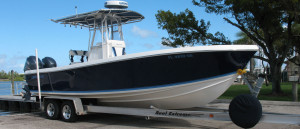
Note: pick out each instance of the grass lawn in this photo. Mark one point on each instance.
(265, 92)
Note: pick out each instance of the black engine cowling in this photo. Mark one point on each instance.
(30, 63)
(49, 62)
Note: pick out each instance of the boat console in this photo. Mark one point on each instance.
(106, 24)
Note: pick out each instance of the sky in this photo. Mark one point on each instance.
(26, 26)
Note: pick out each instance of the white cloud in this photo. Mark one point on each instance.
(164, 47)
(3, 62)
(143, 33)
(2, 59)
(15, 63)
(16, 59)
(154, 46)
(17, 67)
(148, 45)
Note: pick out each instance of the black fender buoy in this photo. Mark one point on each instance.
(3, 105)
(25, 107)
(13, 106)
(245, 111)
(35, 107)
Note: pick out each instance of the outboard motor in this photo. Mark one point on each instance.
(30, 63)
(49, 62)
(26, 95)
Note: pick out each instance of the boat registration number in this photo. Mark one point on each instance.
(181, 56)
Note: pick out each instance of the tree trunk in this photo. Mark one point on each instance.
(252, 64)
(276, 78)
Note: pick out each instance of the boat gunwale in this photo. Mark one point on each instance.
(213, 48)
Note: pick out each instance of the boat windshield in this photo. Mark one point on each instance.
(116, 33)
(110, 29)
(114, 29)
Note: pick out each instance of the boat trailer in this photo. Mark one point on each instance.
(76, 107)
(244, 110)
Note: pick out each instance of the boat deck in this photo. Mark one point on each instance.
(16, 98)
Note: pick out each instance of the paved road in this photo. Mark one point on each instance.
(108, 121)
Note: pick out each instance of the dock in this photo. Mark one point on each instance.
(17, 104)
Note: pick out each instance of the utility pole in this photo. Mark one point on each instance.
(12, 82)
(295, 84)
(295, 91)
(295, 80)
(252, 65)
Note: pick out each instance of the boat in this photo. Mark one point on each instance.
(168, 79)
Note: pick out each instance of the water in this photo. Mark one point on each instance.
(5, 87)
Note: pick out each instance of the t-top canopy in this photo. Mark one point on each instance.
(88, 19)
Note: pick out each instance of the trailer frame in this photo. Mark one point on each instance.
(200, 113)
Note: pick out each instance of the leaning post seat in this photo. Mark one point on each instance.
(81, 53)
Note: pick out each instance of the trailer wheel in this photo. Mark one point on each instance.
(68, 111)
(245, 111)
(52, 109)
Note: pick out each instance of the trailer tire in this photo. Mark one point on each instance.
(52, 110)
(245, 111)
(68, 113)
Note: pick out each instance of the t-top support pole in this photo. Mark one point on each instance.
(38, 76)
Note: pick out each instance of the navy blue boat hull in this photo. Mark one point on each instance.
(141, 73)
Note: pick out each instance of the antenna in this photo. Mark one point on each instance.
(118, 4)
(76, 11)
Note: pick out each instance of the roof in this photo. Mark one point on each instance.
(87, 19)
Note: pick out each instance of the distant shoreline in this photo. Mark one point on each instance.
(7, 80)
(4, 80)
